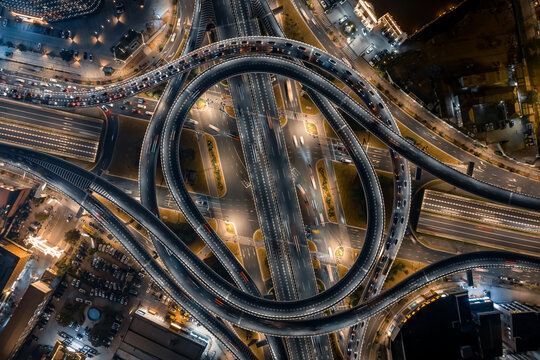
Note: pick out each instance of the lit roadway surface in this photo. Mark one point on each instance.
(70, 183)
(272, 66)
(60, 133)
(270, 178)
(277, 46)
(480, 234)
(481, 211)
(70, 124)
(222, 302)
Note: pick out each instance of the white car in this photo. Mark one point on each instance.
(370, 49)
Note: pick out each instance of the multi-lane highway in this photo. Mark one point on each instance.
(479, 234)
(57, 132)
(480, 211)
(71, 180)
(299, 50)
(189, 281)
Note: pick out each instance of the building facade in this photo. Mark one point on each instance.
(520, 326)
(23, 319)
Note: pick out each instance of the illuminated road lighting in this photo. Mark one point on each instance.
(41, 245)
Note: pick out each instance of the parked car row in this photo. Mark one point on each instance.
(117, 254)
(81, 254)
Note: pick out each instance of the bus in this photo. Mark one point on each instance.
(90, 231)
(288, 87)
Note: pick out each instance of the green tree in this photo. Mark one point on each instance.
(41, 216)
(532, 97)
(72, 236)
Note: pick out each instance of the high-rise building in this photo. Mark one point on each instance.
(520, 326)
(390, 29)
(12, 262)
(11, 200)
(23, 319)
(50, 10)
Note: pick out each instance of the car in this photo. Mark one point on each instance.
(88, 302)
(85, 55)
(79, 300)
(70, 216)
(4, 22)
(343, 19)
(202, 203)
(90, 57)
(370, 49)
(79, 336)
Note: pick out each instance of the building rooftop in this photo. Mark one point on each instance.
(147, 340)
(8, 262)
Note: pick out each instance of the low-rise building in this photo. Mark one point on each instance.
(148, 340)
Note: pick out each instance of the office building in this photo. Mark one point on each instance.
(23, 319)
(11, 199)
(520, 326)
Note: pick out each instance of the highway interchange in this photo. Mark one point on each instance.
(190, 282)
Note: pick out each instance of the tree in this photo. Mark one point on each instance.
(532, 97)
(72, 236)
(66, 55)
(41, 216)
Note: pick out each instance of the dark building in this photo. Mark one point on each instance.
(520, 326)
(50, 10)
(487, 327)
(11, 200)
(147, 340)
(451, 328)
(12, 262)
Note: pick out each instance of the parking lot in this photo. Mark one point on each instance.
(86, 41)
(105, 279)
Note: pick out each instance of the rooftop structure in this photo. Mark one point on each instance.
(147, 340)
(50, 10)
(520, 326)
